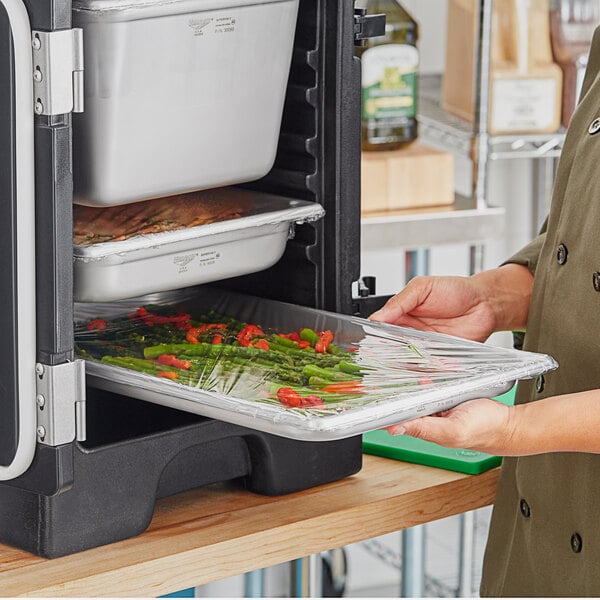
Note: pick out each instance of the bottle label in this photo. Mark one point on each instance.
(389, 81)
(524, 105)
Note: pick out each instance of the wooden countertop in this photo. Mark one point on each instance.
(219, 531)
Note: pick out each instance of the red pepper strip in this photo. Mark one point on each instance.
(208, 326)
(352, 349)
(181, 321)
(168, 374)
(312, 401)
(344, 387)
(96, 325)
(325, 338)
(172, 361)
(218, 339)
(192, 334)
(138, 314)
(295, 337)
(303, 344)
(289, 397)
(163, 320)
(262, 344)
(245, 336)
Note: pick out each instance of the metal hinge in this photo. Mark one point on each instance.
(367, 26)
(57, 71)
(61, 403)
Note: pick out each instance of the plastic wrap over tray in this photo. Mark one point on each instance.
(157, 262)
(284, 369)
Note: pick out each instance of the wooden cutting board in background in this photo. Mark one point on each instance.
(413, 177)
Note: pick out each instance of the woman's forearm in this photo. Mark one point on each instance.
(566, 423)
(508, 291)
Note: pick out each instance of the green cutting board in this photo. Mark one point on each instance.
(409, 449)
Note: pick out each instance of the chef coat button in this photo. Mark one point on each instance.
(525, 510)
(561, 254)
(576, 543)
(539, 384)
(596, 281)
(594, 127)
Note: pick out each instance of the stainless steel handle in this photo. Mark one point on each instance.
(25, 239)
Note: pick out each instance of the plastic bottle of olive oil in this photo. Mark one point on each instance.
(389, 79)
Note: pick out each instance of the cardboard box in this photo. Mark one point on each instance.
(525, 84)
(413, 177)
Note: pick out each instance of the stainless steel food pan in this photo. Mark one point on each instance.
(176, 259)
(180, 95)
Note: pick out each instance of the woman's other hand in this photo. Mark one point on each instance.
(483, 425)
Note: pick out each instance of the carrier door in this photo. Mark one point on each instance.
(17, 244)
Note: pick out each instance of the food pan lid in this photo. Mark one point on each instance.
(164, 6)
(259, 210)
(388, 374)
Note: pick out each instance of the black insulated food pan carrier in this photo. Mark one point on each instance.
(100, 459)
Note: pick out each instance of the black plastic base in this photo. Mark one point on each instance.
(138, 452)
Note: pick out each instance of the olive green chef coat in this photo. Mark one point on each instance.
(545, 532)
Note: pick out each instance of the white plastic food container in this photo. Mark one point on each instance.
(180, 95)
(185, 257)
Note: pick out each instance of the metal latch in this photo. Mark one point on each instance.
(57, 71)
(60, 402)
(367, 26)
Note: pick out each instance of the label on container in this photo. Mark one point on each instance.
(524, 105)
(186, 263)
(389, 81)
(210, 26)
(182, 261)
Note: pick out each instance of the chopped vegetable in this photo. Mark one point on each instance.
(325, 338)
(262, 344)
(344, 387)
(289, 397)
(309, 335)
(96, 325)
(300, 369)
(292, 398)
(168, 374)
(249, 332)
(194, 332)
(150, 319)
(172, 361)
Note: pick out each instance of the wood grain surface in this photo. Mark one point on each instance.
(220, 531)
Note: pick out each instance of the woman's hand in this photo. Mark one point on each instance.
(469, 307)
(566, 423)
(483, 425)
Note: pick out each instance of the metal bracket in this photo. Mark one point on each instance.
(60, 402)
(57, 71)
(367, 26)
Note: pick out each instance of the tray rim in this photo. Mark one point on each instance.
(297, 211)
(293, 423)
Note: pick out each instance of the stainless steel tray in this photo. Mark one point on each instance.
(175, 259)
(455, 370)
